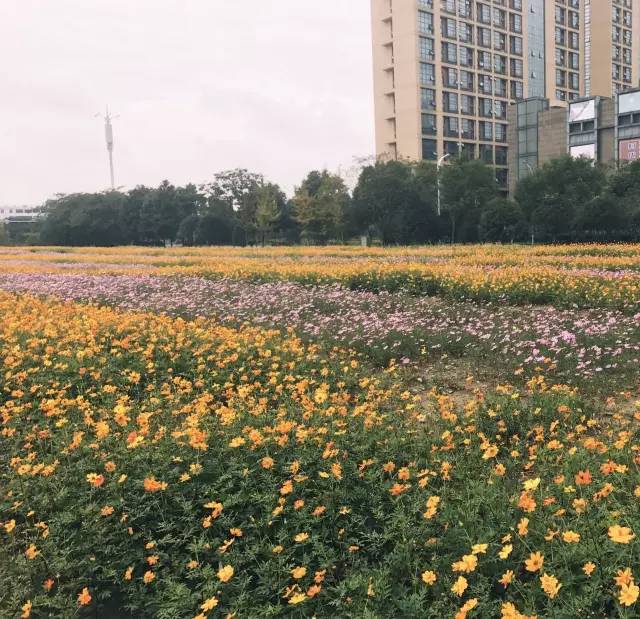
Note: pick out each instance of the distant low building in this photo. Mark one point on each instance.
(606, 130)
(20, 213)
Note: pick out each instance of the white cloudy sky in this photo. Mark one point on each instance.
(276, 86)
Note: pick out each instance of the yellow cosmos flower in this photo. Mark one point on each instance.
(26, 610)
(148, 577)
(550, 585)
(628, 594)
(429, 577)
(209, 604)
(301, 537)
(467, 564)
(298, 598)
(534, 562)
(225, 573)
(460, 586)
(588, 568)
(299, 572)
(571, 537)
(620, 535)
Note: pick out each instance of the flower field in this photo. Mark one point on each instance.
(320, 432)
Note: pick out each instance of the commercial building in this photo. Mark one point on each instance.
(603, 129)
(446, 71)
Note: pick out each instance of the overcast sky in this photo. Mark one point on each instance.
(276, 86)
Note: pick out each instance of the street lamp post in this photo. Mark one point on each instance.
(440, 162)
(530, 167)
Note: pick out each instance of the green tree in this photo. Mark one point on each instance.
(467, 186)
(551, 197)
(502, 221)
(320, 204)
(397, 201)
(268, 209)
(238, 189)
(84, 219)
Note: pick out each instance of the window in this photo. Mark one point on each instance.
(574, 81)
(517, 90)
(560, 15)
(574, 40)
(574, 61)
(561, 36)
(486, 130)
(499, 87)
(500, 64)
(427, 73)
(516, 5)
(485, 84)
(561, 57)
(502, 177)
(501, 155)
(484, 60)
(483, 13)
(450, 53)
(499, 41)
(499, 18)
(448, 27)
(464, 8)
(429, 124)
(485, 108)
(500, 109)
(484, 37)
(428, 97)
(574, 20)
(425, 4)
(465, 32)
(429, 150)
(466, 56)
(468, 105)
(515, 22)
(450, 101)
(449, 6)
(426, 48)
(468, 128)
(501, 132)
(425, 22)
(449, 77)
(451, 128)
(561, 78)
(452, 148)
(486, 153)
(516, 67)
(516, 45)
(466, 81)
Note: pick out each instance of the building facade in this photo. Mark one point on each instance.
(446, 71)
(603, 129)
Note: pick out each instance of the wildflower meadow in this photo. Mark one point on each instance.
(320, 432)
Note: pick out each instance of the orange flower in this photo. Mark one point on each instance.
(583, 478)
(429, 577)
(550, 585)
(84, 597)
(95, 480)
(48, 584)
(225, 573)
(460, 586)
(26, 610)
(148, 577)
(267, 462)
(588, 568)
(506, 578)
(32, 552)
(151, 484)
(299, 572)
(534, 562)
(301, 537)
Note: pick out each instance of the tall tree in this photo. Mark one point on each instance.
(551, 197)
(467, 186)
(320, 204)
(395, 200)
(268, 209)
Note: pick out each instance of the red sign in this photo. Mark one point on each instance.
(629, 150)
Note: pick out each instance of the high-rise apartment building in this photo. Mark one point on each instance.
(445, 71)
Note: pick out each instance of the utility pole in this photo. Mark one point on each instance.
(440, 162)
(108, 134)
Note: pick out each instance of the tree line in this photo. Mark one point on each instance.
(394, 202)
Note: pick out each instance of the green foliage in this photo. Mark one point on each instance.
(319, 206)
(396, 201)
(467, 186)
(502, 221)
